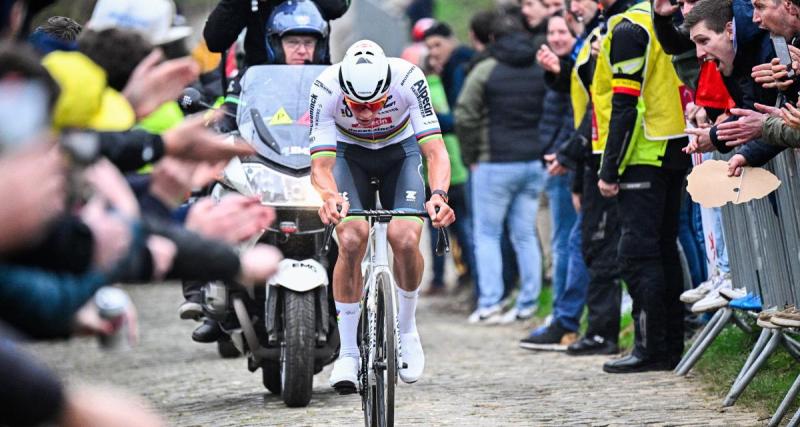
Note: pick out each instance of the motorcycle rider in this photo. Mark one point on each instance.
(296, 34)
(361, 109)
(230, 17)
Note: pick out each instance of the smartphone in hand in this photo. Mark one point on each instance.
(782, 50)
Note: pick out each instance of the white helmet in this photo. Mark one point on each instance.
(364, 75)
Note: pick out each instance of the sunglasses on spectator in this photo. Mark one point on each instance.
(373, 106)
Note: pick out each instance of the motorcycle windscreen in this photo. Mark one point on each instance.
(280, 96)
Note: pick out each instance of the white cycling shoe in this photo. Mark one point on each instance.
(344, 377)
(413, 357)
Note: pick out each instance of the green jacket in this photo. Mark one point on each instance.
(458, 172)
(775, 132)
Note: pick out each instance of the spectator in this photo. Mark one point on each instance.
(499, 107)
(753, 48)
(86, 101)
(534, 14)
(58, 33)
(117, 50)
(30, 394)
(569, 278)
(599, 221)
(448, 59)
(630, 59)
(480, 36)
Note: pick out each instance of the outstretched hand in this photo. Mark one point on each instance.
(154, 82)
(192, 140)
(739, 132)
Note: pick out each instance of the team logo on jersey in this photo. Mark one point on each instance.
(423, 99)
(322, 86)
(411, 196)
(408, 74)
(378, 121)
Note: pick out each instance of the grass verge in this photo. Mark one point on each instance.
(457, 14)
(725, 357)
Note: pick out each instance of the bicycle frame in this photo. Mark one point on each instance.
(377, 261)
(377, 274)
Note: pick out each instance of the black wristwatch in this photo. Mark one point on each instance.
(441, 193)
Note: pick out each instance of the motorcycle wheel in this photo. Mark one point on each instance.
(271, 376)
(297, 354)
(226, 349)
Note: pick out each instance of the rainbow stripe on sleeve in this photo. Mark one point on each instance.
(323, 151)
(428, 135)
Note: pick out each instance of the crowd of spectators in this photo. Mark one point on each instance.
(604, 106)
(99, 163)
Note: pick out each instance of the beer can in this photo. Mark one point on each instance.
(112, 303)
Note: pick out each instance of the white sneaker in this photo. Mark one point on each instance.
(693, 295)
(344, 377)
(733, 293)
(487, 316)
(412, 356)
(727, 290)
(516, 314)
(713, 300)
(190, 310)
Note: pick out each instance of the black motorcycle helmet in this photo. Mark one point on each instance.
(296, 17)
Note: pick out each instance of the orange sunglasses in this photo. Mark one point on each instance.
(373, 106)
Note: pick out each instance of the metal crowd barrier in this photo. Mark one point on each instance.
(763, 242)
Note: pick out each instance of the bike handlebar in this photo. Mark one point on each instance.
(442, 238)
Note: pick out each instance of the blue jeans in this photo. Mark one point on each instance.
(500, 191)
(563, 215)
(723, 264)
(463, 228)
(693, 249)
(567, 310)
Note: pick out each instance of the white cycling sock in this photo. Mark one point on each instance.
(347, 318)
(407, 310)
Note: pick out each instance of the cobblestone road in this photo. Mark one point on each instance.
(475, 376)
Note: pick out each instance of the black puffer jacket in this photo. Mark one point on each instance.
(230, 17)
(498, 111)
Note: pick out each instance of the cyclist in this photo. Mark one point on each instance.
(371, 117)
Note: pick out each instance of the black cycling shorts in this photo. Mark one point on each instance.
(398, 168)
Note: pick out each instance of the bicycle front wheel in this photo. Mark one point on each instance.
(386, 350)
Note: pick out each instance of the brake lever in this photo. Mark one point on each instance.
(442, 240)
(326, 243)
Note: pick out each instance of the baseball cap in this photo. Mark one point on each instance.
(153, 18)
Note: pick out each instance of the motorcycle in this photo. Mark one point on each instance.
(288, 328)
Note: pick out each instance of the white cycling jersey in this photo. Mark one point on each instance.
(408, 112)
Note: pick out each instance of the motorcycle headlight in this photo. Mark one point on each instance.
(277, 189)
